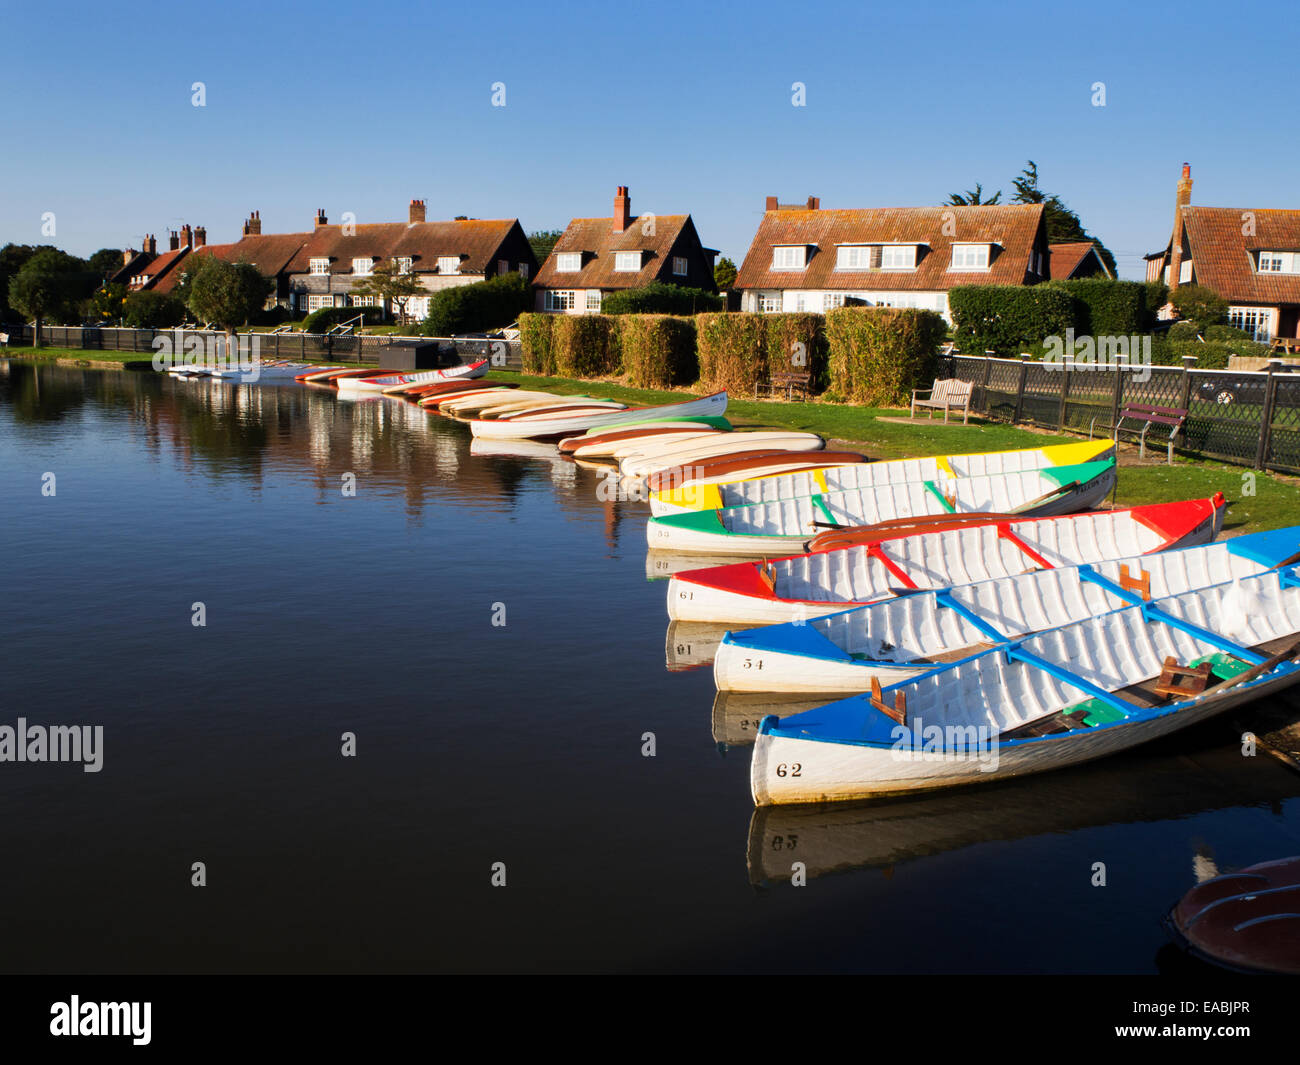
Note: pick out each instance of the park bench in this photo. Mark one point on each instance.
(788, 382)
(4, 340)
(1144, 416)
(948, 394)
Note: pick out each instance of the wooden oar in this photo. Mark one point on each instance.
(1255, 671)
(1044, 498)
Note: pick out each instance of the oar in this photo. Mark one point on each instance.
(1255, 671)
(1044, 498)
(1287, 561)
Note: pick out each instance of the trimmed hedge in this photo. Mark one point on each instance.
(477, 307)
(879, 354)
(325, 319)
(732, 351)
(796, 343)
(1007, 319)
(537, 343)
(659, 297)
(152, 310)
(658, 350)
(1106, 307)
(585, 345)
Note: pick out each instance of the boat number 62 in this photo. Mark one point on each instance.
(794, 769)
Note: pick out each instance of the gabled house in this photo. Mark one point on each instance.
(1076, 259)
(806, 258)
(134, 262)
(1248, 256)
(270, 255)
(333, 260)
(596, 256)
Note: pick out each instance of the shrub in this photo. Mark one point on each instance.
(325, 319)
(536, 341)
(1183, 331)
(1199, 304)
(1157, 295)
(660, 298)
(152, 310)
(477, 307)
(879, 354)
(796, 343)
(658, 350)
(585, 345)
(1106, 307)
(732, 351)
(1229, 334)
(1007, 319)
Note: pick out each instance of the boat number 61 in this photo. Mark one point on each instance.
(794, 769)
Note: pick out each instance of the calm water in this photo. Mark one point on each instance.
(475, 743)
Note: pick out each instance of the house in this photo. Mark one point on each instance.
(134, 262)
(333, 260)
(597, 256)
(270, 255)
(806, 258)
(1076, 259)
(1248, 256)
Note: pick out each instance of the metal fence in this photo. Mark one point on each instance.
(316, 347)
(1241, 417)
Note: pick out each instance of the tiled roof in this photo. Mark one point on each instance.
(123, 274)
(1015, 227)
(597, 241)
(474, 241)
(1067, 258)
(161, 266)
(1221, 257)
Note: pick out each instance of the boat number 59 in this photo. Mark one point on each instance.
(794, 769)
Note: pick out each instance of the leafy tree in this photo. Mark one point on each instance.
(106, 303)
(392, 286)
(1063, 225)
(543, 241)
(1199, 305)
(228, 294)
(104, 263)
(152, 310)
(477, 307)
(724, 274)
(974, 198)
(50, 285)
(12, 259)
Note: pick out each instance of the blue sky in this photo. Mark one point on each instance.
(359, 107)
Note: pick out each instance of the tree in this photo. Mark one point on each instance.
(228, 294)
(50, 284)
(104, 263)
(1200, 305)
(12, 259)
(543, 241)
(107, 302)
(1063, 225)
(724, 274)
(392, 286)
(974, 198)
(152, 310)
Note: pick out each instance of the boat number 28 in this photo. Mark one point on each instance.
(794, 769)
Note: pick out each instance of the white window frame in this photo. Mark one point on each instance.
(681, 266)
(832, 300)
(593, 301)
(627, 262)
(557, 299)
(405, 264)
(448, 264)
(319, 267)
(790, 257)
(363, 267)
(904, 254)
(769, 303)
(1257, 321)
(523, 271)
(319, 303)
(1185, 271)
(969, 256)
(568, 262)
(853, 257)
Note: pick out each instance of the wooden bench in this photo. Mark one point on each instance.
(945, 395)
(788, 382)
(1286, 345)
(1145, 416)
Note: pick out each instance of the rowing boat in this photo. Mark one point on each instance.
(376, 383)
(654, 457)
(1064, 696)
(449, 388)
(542, 409)
(896, 639)
(768, 528)
(726, 468)
(908, 558)
(940, 470)
(458, 405)
(603, 445)
(559, 425)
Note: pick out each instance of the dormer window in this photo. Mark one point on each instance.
(362, 267)
(789, 257)
(320, 266)
(1279, 262)
(404, 264)
(627, 261)
(898, 257)
(853, 257)
(970, 257)
(448, 264)
(568, 262)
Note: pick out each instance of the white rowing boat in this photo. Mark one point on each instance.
(900, 638)
(651, 456)
(387, 382)
(908, 559)
(1061, 697)
(464, 405)
(786, 525)
(559, 425)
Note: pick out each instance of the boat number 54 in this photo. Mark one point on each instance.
(753, 663)
(794, 769)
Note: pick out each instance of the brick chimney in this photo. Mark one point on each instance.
(253, 227)
(417, 212)
(814, 203)
(150, 245)
(771, 204)
(320, 218)
(127, 255)
(1183, 199)
(173, 239)
(187, 235)
(200, 236)
(622, 209)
